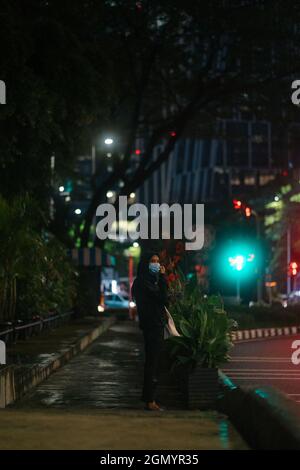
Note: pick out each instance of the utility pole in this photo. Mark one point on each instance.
(93, 159)
(259, 270)
(52, 169)
(288, 259)
(130, 282)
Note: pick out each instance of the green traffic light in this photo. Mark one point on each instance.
(238, 262)
(238, 258)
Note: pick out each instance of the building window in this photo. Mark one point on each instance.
(235, 181)
(265, 179)
(249, 180)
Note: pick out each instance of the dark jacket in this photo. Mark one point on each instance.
(150, 294)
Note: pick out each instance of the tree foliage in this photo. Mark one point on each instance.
(147, 70)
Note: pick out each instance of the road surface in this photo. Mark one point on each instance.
(266, 362)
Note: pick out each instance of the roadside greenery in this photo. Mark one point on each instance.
(264, 317)
(204, 326)
(36, 277)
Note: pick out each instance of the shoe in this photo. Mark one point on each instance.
(152, 406)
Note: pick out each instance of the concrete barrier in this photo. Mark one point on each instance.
(266, 418)
(16, 380)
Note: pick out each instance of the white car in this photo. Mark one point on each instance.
(116, 301)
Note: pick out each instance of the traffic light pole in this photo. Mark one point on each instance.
(249, 211)
(288, 252)
(238, 289)
(259, 270)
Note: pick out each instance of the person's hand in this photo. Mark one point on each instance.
(162, 269)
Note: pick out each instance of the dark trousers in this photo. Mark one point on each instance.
(153, 339)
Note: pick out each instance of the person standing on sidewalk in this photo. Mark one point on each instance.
(150, 290)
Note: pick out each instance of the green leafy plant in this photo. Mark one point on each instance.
(205, 330)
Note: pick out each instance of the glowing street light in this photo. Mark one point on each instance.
(77, 211)
(108, 141)
(109, 194)
(61, 189)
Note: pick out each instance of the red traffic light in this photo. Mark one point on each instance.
(293, 268)
(237, 204)
(248, 211)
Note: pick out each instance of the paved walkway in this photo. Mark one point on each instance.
(93, 402)
(107, 375)
(119, 430)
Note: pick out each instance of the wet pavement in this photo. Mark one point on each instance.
(93, 402)
(108, 374)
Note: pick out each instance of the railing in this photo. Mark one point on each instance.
(13, 332)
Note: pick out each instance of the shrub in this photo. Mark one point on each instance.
(204, 326)
(35, 274)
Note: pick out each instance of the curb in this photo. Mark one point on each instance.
(265, 418)
(15, 380)
(258, 333)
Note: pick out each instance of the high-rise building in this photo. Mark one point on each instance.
(244, 156)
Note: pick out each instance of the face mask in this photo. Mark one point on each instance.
(154, 267)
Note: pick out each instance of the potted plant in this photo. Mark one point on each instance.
(203, 346)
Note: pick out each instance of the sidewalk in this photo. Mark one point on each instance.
(30, 362)
(40, 349)
(116, 430)
(108, 374)
(93, 402)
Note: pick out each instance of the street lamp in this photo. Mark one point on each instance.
(107, 141)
